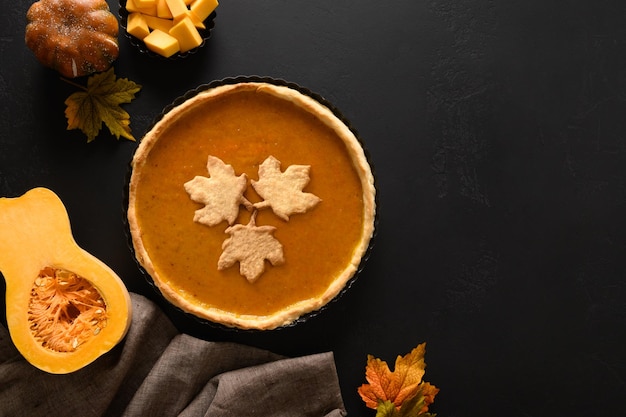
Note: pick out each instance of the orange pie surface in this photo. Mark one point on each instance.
(243, 124)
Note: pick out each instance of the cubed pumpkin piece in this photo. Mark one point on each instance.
(137, 25)
(199, 24)
(203, 8)
(145, 4)
(177, 7)
(162, 43)
(163, 10)
(186, 34)
(157, 23)
(133, 6)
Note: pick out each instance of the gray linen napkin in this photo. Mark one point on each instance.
(157, 371)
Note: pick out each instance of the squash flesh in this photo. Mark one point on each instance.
(24, 254)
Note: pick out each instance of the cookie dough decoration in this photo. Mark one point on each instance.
(222, 196)
(74, 37)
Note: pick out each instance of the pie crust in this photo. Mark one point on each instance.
(226, 119)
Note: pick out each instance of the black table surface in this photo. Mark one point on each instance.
(497, 131)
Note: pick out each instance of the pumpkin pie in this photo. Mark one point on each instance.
(251, 204)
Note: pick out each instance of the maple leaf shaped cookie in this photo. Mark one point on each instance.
(221, 194)
(251, 245)
(282, 191)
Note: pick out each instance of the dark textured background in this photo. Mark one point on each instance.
(497, 130)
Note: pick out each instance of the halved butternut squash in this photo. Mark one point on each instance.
(65, 307)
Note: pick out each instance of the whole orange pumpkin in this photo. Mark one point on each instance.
(74, 37)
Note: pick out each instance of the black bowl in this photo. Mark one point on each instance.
(205, 33)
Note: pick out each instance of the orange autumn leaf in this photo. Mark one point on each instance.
(428, 391)
(394, 386)
(399, 385)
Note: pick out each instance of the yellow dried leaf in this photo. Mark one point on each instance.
(99, 103)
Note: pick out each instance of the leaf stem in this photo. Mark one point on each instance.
(74, 84)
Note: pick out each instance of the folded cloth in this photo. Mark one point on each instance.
(158, 371)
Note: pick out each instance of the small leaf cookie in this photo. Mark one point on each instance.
(282, 191)
(251, 245)
(221, 194)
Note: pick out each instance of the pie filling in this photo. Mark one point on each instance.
(266, 147)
